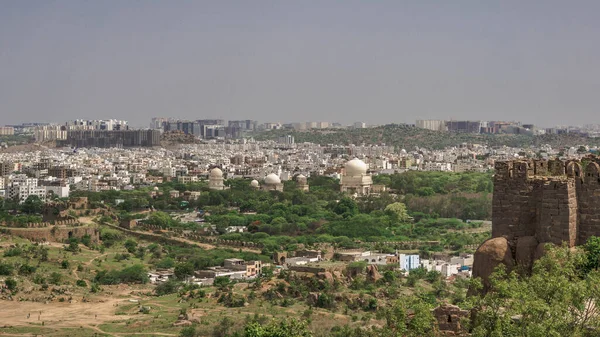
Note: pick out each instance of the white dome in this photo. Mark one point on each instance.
(301, 178)
(355, 167)
(155, 188)
(254, 183)
(272, 179)
(216, 173)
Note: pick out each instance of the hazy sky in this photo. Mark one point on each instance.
(372, 61)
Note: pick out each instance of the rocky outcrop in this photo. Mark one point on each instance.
(327, 276)
(540, 250)
(490, 255)
(373, 274)
(448, 318)
(526, 252)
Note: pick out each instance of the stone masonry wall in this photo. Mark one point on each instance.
(55, 234)
(555, 201)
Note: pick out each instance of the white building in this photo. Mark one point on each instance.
(272, 183)
(466, 260)
(59, 191)
(409, 262)
(432, 124)
(22, 191)
(355, 179)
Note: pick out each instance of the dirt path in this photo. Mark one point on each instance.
(87, 264)
(206, 246)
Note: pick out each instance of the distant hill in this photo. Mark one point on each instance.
(408, 137)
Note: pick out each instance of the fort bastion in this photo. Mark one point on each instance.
(554, 201)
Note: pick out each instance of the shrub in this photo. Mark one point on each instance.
(121, 257)
(110, 236)
(165, 263)
(6, 269)
(169, 287)
(11, 284)
(95, 288)
(26, 269)
(232, 300)
(133, 274)
(86, 240)
(55, 278)
(81, 283)
(65, 264)
(130, 245)
(11, 252)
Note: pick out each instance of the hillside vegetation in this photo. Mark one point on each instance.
(407, 137)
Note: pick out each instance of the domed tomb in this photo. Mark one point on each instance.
(355, 179)
(302, 182)
(215, 179)
(272, 183)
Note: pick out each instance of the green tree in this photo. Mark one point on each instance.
(592, 249)
(130, 245)
(184, 270)
(188, 331)
(553, 301)
(285, 328)
(11, 284)
(160, 219)
(32, 205)
(346, 207)
(221, 282)
(397, 211)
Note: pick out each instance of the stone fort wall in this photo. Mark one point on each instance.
(55, 233)
(555, 201)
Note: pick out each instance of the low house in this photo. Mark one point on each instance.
(236, 229)
(160, 275)
(213, 272)
(465, 260)
(252, 268)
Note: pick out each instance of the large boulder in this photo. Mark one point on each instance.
(373, 274)
(490, 255)
(540, 250)
(525, 254)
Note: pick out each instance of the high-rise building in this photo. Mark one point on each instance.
(158, 122)
(432, 124)
(465, 126)
(211, 128)
(7, 131)
(289, 139)
(104, 138)
(103, 124)
(187, 127)
(6, 168)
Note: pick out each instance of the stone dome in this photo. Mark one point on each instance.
(216, 173)
(355, 167)
(301, 178)
(155, 188)
(272, 179)
(254, 183)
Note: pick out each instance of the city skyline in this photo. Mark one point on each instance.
(384, 62)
